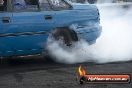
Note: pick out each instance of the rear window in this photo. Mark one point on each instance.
(37, 5)
(25, 5)
(59, 5)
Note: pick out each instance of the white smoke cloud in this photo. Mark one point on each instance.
(115, 43)
(105, 1)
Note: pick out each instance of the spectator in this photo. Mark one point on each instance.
(1, 2)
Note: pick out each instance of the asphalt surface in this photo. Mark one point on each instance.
(38, 73)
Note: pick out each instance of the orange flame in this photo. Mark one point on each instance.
(81, 71)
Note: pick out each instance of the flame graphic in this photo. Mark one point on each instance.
(81, 71)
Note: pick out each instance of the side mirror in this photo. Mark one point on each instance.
(32, 2)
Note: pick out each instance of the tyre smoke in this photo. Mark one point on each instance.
(114, 44)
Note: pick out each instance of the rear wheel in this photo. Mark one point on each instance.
(66, 36)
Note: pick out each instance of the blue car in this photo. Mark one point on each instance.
(25, 25)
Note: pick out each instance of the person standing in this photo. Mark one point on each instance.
(1, 2)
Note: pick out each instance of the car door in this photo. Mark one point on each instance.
(5, 27)
(28, 15)
(29, 28)
(32, 27)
